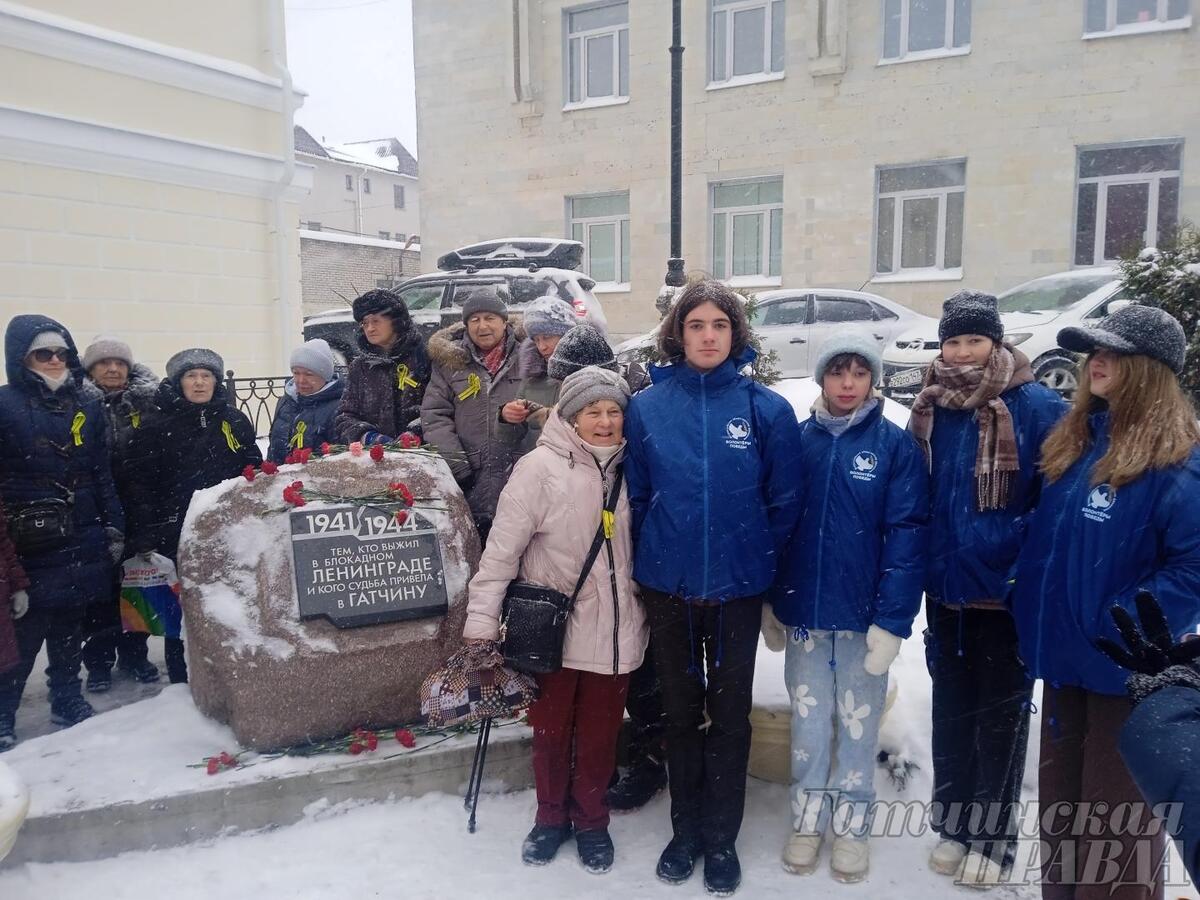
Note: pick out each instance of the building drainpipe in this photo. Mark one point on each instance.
(362, 173)
(287, 305)
(675, 276)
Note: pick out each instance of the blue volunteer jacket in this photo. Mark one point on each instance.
(857, 556)
(712, 465)
(1090, 547)
(971, 553)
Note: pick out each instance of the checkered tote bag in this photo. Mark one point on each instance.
(472, 686)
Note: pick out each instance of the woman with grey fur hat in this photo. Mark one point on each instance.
(546, 320)
(539, 538)
(195, 440)
(981, 420)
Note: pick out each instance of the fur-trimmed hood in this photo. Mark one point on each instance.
(450, 348)
(530, 363)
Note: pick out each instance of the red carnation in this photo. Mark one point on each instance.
(405, 737)
(372, 741)
(248, 473)
(377, 452)
(409, 441)
(401, 517)
(355, 748)
(269, 468)
(227, 760)
(212, 765)
(290, 458)
(304, 454)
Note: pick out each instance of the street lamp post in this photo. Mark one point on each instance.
(675, 277)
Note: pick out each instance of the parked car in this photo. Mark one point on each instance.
(528, 267)
(795, 323)
(1032, 314)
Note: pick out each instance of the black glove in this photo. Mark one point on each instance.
(1150, 651)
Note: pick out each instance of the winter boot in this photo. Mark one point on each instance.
(542, 843)
(99, 680)
(143, 671)
(677, 861)
(8, 731)
(69, 711)
(722, 871)
(637, 786)
(595, 850)
(850, 860)
(980, 871)
(801, 853)
(947, 857)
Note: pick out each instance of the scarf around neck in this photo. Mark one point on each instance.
(978, 388)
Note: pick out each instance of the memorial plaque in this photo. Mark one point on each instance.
(356, 565)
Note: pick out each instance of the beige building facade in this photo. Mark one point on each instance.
(148, 185)
(904, 147)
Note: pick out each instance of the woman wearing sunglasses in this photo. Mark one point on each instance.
(62, 507)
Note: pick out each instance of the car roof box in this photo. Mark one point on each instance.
(511, 253)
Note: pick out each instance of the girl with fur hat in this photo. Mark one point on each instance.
(195, 440)
(386, 382)
(847, 591)
(981, 420)
(540, 537)
(1119, 514)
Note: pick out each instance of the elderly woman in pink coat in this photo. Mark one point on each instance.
(546, 521)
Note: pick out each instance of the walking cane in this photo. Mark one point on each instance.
(471, 801)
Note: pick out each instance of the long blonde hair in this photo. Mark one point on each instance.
(1152, 424)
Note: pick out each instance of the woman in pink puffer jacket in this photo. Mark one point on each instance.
(546, 521)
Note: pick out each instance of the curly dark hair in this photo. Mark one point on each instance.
(708, 290)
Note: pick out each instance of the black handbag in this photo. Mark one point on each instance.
(41, 526)
(533, 623)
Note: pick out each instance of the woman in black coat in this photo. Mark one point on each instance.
(54, 467)
(196, 440)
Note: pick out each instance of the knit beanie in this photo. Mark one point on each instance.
(1145, 330)
(970, 312)
(46, 340)
(383, 302)
(549, 316)
(486, 298)
(588, 385)
(582, 346)
(107, 347)
(315, 356)
(850, 340)
(195, 358)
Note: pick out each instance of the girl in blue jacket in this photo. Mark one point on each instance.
(1120, 513)
(712, 468)
(981, 419)
(848, 590)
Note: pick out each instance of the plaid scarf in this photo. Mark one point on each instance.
(494, 358)
(978, 388)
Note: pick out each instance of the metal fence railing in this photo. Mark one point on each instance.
(258, 396)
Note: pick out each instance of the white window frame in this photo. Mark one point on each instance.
(947, 49)
(1159, 23)
(764, 253)
(1103, 183)
(587, 223)
(728, 10)
(584, 101)
(939, 271)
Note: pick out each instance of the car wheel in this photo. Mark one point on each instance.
(1059, 373)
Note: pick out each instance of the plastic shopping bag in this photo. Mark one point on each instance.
(150, 596)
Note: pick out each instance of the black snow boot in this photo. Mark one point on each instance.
(542, 843)
(722, 872)
(8, 731)
(595, 850)
(70, 711)
(637, 786)
(143, 671)
(99, 680)
(677, 861)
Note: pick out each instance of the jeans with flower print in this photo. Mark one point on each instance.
(836, 710)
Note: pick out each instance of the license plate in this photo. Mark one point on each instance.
(907, 378)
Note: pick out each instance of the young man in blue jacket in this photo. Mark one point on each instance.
(712, 465)
(848, 589)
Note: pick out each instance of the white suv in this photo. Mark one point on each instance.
(1032, 313)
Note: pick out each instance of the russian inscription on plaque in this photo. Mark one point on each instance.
(356, 565)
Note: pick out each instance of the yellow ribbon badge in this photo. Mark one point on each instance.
(227, 430)
(77, 428)
(135, 418)
(297, 440)
(404, 379)
(474, 385)
(610, 523)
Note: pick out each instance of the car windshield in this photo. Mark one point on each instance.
(1051, 294)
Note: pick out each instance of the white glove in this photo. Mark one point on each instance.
(774, 632)
(20, 603)
(882, 649)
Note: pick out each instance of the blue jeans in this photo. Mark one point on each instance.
(836, 710)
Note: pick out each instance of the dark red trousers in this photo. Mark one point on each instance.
(576, 720)
(1089, 852)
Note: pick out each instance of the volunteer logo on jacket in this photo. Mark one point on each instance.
(1102, 499)
(863, 466)
(738, 434)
